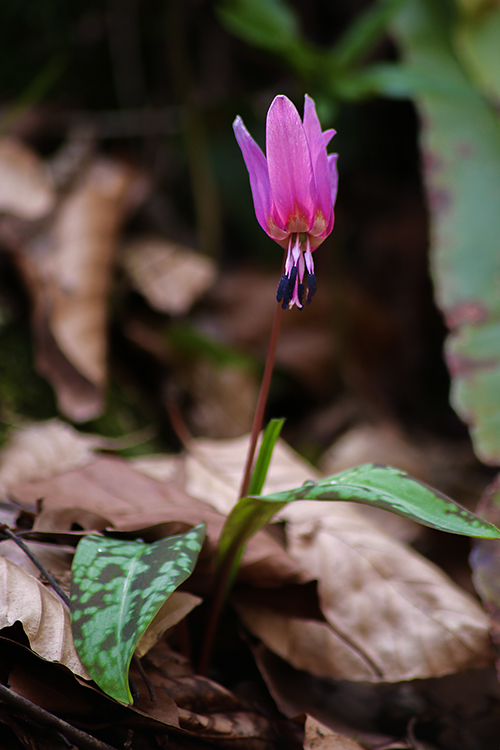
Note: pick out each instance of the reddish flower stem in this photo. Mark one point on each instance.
(262, 400)
(222, 577)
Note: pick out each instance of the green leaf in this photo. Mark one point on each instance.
(364, 32)
(117, 588)
(190, 342)
(269, 438)
(477, 44)
(270, 24)
(393, 490)
(230, 547)
(379, 486)
(461, 143)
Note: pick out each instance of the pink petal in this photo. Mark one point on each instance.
(328, 135)
(334, 178)
(322, 174)
(257, 169)
(289, 164)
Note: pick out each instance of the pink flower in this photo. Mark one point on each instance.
(293, 190)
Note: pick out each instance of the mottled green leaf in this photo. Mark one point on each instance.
(379, 486)
(117, 588)
(394, 490)
(461, 145)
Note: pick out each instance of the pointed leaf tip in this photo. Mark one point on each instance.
(394, 490)
(117, 589)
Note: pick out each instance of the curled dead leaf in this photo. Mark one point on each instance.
(242, 725)
(171, 277)
(320, 737)
(43, 450)
(25, 189)
(58, 520)
(206, 710)
(68, 269)
(44, 618)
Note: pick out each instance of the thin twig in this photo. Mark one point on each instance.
(178, 424)
(26, 708)
(34, 559)
(147, 681)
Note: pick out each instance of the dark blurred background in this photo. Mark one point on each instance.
(155, 85)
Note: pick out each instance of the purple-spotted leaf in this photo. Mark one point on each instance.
(461, 144)
(117, 589)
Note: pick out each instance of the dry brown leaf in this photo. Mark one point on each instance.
(43, 450)
(79, 269)
(309, 645)
(25, 189)
(65, 519)
(163, 467)
(239, 725)
(111, 488)
(396, 609)
(171, 277)
(320, 737)
(68, 269)
(55, 559)
(380, 444)
(205, 709)
(176, 608)
(44, 618)
(214, 470)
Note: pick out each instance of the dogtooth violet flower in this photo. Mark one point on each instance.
(293, 189)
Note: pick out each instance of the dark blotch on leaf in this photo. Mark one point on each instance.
(110, 572)
(95, 600)
(130, 626)
(109, 642)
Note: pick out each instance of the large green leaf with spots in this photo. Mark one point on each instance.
(117, 588)
(379, 486)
